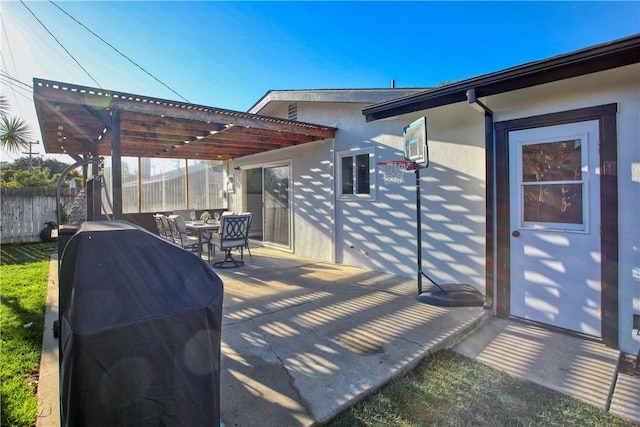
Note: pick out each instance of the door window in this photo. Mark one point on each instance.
(553, 184)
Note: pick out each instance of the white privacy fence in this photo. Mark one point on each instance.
(25, 211)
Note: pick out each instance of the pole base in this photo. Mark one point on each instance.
(452, 295)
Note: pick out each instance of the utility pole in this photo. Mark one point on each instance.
(31, 153)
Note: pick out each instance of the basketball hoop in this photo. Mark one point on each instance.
(393, 170)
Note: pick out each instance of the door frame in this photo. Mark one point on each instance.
(606, 117)
(284, 163)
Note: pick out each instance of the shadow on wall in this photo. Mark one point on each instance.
(313, 203)
(382, 235)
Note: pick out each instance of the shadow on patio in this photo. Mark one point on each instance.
(302, 340)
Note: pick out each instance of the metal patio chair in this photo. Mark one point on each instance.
(162, 222)
(233, 234)
(179, 234)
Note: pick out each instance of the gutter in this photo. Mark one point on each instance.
(605, 56)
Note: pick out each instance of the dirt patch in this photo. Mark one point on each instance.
(628, 365)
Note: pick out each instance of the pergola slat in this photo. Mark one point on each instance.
(72, 118)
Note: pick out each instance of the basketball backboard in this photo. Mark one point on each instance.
(415, 143)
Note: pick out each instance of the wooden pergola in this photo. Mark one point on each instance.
(89, 122)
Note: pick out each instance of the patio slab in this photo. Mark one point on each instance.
(583, 369)
(302, 340)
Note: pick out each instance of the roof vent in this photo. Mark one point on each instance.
(293, 111)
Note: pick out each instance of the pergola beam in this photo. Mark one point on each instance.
(71, 115)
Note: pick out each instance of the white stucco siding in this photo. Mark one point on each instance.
(382, 235)
(310, 192)
(622, 87)
(378, 232)
(612, 86)
(453, 196)
(313, 201)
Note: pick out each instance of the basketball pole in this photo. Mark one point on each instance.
(419, 233)
(419, 227)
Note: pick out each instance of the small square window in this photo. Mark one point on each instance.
(356, 175)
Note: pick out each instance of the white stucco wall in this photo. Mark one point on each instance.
(310, 192)
(380, 234)
(453, 195)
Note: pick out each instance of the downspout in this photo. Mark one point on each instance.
(489, 194)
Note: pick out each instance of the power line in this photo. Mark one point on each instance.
(18, 87)
(120, 53)
(61, 45)
(17, 90)
(4, 30)
(10, 77)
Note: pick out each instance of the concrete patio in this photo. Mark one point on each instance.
(302, 340)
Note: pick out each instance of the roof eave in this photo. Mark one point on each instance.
(353, 95)
(585, 61)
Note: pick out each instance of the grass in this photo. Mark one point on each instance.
(24, 272)
(448, 389)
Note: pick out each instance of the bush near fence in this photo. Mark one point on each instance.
(25, 211)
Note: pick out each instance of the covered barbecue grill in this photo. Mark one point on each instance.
(140, 324)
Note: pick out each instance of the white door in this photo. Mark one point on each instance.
(555, 226)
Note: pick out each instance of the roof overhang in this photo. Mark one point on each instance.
(76, 120)
(363, 96)
(593, 59)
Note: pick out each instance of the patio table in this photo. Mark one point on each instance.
(200, 227)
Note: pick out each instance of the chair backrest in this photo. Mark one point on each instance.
(167, 228)
(159, 224)
(185, 213)
(178, 229)
(248, 225)
(163, 226)
(234, 230)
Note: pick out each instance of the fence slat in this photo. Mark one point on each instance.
(25, 211)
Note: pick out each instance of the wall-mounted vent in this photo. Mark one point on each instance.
(293, 111)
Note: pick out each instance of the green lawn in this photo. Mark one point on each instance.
(24, 272)
(451, 390)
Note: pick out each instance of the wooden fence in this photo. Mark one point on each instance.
(25, 211)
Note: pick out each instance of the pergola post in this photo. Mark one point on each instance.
(116, 163)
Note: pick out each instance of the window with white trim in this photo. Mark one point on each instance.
(356, 174)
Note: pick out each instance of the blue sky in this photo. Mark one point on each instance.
(229, 54)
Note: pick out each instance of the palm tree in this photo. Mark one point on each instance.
(14, 132)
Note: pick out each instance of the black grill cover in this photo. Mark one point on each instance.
(140, 324)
